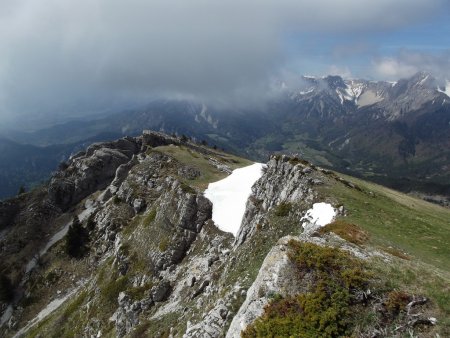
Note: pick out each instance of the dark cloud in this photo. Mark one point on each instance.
(61, 56)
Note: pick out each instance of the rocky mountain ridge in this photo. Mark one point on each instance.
(396, 134)
(395, 99)
(154, 264)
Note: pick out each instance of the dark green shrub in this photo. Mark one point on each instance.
(90, 225)
(76, 239)
(6, 289)
(116, 200)
(21, 190)
(110, 290)
(325, 311)
(283, 209)
(163, 244)
(187, 188)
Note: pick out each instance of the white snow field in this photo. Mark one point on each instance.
(319, 215)
(230, 195)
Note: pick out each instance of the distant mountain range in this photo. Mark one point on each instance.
(397, 133)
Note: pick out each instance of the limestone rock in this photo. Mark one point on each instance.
(283, 181)
(276, 276)
(90, 172)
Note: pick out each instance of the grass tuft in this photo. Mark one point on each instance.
(283, 209)
(348, 231)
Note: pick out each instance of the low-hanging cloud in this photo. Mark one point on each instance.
(407, 62)
(69, 56)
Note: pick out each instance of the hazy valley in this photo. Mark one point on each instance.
(396, 134)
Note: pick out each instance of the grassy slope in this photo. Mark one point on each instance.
(408, 228)
(418, 228)
(200, 161)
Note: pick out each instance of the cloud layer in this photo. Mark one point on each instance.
(64, 56)
(406, 63)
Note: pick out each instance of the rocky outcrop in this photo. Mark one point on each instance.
(127, 314)
(212, 324)
(285, 180)
(90, 172)
(277, 276)
(185, 213)
(156, 139)
(101, 165)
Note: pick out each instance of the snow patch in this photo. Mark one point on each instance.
(423, 80)
(341, 97)
(307, 91)
(354, 89)
(446, 90)
(318, 216)
(230, 195)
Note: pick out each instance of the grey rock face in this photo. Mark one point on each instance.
(139, 204)
(122, 171)
(127, 314)
(161, 291)
(90, 172)
(283, 181)
(186, 214)
(276, 276)
(101, 165)
(212, 324)
(156, 139)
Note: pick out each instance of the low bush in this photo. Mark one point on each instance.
(348, 231)
(6, 289)
(110, 290)
(325, 311)
(283, 209)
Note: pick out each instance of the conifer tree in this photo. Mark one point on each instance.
(75, 238)
(6, 289)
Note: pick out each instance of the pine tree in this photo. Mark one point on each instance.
(6, 289)
(75, 239)
(21, 190)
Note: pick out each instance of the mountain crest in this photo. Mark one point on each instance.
(151, 261)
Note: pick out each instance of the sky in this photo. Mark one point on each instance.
(62, 58)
